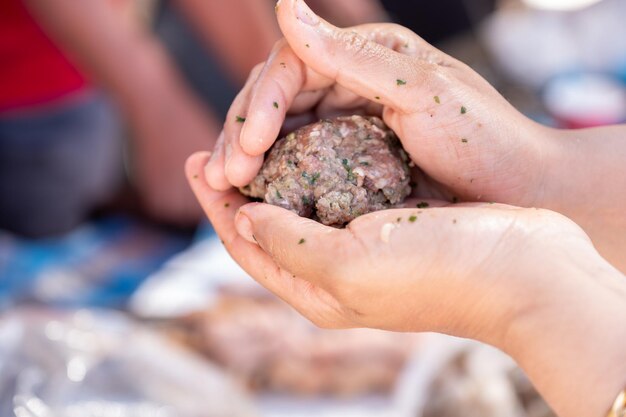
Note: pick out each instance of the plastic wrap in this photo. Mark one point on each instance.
(101, 364)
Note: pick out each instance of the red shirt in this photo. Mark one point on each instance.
(32, 69)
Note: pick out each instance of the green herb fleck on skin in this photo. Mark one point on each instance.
(365, 163)
(413, 218)
(226, 205)
(463, 110)
(400, 82)
(275, 105)
(423, 204)
(464, 140)
(492, 202)
(406, 45)
(437, 100)
(377, 97)
(301, 241)
(306, 200)
(279, 195)
(240, 119)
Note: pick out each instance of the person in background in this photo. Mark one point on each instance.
(60, 135)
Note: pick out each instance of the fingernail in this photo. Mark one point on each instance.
(244, 227)
(304, 14)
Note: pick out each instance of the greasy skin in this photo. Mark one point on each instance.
(334, 170)
(529, 281)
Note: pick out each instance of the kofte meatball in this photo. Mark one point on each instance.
(334, 170)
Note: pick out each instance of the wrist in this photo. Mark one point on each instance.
(571, 339)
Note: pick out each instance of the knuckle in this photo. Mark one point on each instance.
(352, 42)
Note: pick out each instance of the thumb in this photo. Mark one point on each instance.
(353, 60)
(301, 246)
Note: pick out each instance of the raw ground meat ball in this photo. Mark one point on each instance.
(335, 170)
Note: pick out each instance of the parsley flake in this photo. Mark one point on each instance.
(400, 82)
(464, 140)
(240, 119)
(423, 204)
(437, 100)
(301, 241)
(463, 110)
(413, 218)
(275, 105)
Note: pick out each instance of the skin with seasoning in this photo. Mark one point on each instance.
(529, 281)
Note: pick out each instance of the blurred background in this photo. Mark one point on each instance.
(116, 299)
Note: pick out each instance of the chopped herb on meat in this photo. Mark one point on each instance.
(437, 100)
(301, 241)
(377, 97)
(240, 119)
(275, 105)
(279, 195)
(400, 82)
(423, 204)
(464, 140)
(463, 110)
(413, 218)
(348, 169)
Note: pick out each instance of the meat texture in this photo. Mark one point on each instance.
(335, 170)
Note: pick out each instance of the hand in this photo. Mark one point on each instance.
(471, 144)
(167, 131)
(527, 281)
(468, 142)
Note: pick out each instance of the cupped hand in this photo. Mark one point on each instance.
(468, 142)
(464, 269)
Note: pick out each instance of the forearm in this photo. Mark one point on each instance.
(573, 343)
(241, 32)
(125, 60)
(587, 182)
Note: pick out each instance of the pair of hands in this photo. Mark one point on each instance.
(480, 270)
